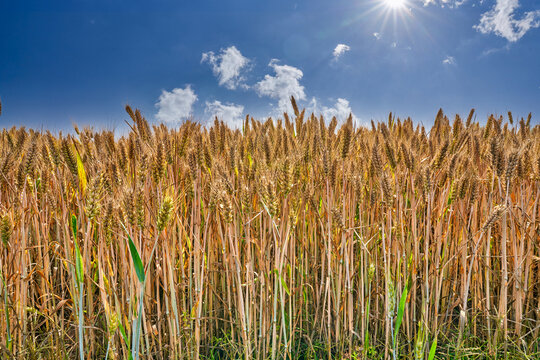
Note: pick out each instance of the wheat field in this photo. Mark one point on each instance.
(294, 238)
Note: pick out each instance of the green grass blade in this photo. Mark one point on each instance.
(138, 327)
(81, 322)
(79, 268)
(124, 336)
(284, 284)
(126, 339)
(74, 225)
(9, 340)
(79, 271)
(401, 311)
(139, 270)
(432, 349)
(78, 264)
(137, 262)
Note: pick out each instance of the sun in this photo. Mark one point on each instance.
(395, 4)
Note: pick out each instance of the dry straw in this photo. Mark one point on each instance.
(297, 238)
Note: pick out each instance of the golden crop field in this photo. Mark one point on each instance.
(294, 238)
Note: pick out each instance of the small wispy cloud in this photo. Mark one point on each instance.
(228, 66)
(176, 105)
(394, 44)
(284, 84)
(445, 3)
(377, 35)
(340, 50)
(491, 51)
(500, 21)
(449, 60)
(231, 114)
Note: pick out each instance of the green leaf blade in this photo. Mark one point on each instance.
(432, 349)
(137, 262)
(401, 310)
(79, 268)
(74, 226)
(284, 284)
(78, 263)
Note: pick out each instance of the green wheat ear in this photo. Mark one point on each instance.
(164, 213)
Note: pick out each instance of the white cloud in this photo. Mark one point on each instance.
(282, 86)
(377, 35)
(500, 21)
(449, 60)
(228, 66)
(394, 44)
(231, 114)
(176, 105)
(341, 110)
(340, 50)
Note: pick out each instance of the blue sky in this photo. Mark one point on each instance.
(82, 61)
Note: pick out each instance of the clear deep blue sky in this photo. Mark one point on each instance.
(82, 61)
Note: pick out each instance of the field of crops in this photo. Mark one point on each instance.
(297, 238)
